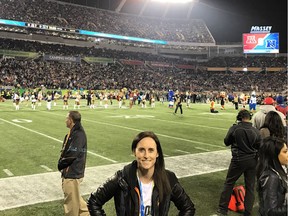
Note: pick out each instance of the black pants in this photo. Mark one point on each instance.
(88, 101)
(179, 106)
(236, 169)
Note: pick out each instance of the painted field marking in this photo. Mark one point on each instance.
(186, 152)
(183, 123)
(132, 116)
(8, 172)
(22, 120)
(198, 115)
(158, 134)
(46, 168)
(189, 124)
(47, 136)
(203, 149)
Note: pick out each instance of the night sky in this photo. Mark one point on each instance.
(228, 19)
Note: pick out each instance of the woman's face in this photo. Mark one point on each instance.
(146, 153)
(283, 155)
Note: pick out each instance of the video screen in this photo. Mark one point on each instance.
(261, 43)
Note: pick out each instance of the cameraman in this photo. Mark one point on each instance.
(244, 141)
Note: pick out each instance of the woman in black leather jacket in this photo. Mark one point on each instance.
(142, 187)
(272, 178)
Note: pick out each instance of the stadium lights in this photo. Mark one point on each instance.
(172, 1)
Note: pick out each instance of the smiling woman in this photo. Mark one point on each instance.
(142, 187)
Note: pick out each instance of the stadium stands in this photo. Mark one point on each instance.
(123, 67)
(71, 16)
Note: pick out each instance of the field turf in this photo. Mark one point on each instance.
(31, 141)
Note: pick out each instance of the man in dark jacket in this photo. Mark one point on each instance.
(244, 141)
(72, 165)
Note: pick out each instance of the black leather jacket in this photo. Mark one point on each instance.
(244, 140)
(272, 190)
(123, 186)
(73, 158)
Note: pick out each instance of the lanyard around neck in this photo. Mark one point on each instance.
(142, 207)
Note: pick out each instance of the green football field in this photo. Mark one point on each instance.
(31, 141)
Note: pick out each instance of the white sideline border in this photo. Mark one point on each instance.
(46, 187)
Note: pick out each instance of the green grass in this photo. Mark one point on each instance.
(27, 145)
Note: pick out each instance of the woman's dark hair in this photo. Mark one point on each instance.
(274, 124)
(268, 156)
(160, 177)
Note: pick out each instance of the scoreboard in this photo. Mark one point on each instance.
(260, 43)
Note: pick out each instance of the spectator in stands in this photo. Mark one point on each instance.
(142, 187)
(60, 15)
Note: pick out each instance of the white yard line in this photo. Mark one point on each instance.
(158, 134)
(202, 149)
(47, 136)
(189, 124)
(46, 168)
(185, 152)
(8, 172)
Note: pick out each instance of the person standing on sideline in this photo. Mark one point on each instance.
(72, 166)
(89, 98)
(143, 187)
(272, 181)
(253, 102)
(236, 101)
(178, 102)
(222, 102)
(244, 141)
(49, 100)
(65, 101)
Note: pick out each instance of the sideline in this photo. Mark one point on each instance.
(21, 191)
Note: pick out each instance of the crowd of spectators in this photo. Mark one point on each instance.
(64, 50)
(55, 75)
(79, 17)
(251, 61)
